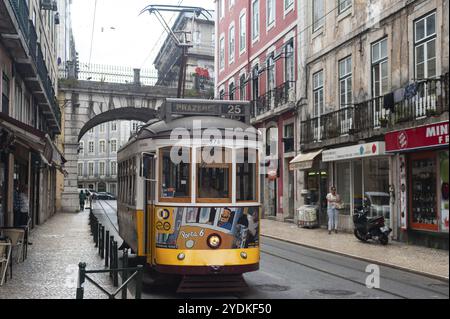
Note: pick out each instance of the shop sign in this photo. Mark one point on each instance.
(420, 137)
(354, 152)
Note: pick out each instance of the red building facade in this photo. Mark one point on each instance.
(256, 50)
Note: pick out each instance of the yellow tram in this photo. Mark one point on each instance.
(188, 189)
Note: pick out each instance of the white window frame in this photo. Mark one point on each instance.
(423, 42)
(91, 164)
(290, 6)
(93, 147)
(318, 26)
(81, 147)
(242, 32)
(114, 126)
(230, 83)
(231, 3)
(222, 52)
(102, 128)
(318, 89)
(271, 24)
(288, 43)
(344, 79)
(221, 5)
(231, 43)
(113, 164)
(383, 59)
(100, 142)
(80, 169)
(345, 4)
(114, 151)
(255, 23)
(100, 168)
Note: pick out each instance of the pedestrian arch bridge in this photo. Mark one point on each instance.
(87, 104)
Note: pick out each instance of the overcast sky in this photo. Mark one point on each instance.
(121, 36)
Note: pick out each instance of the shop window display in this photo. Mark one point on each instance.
(376, 187)
(343, 185)
(443, 160)
(424, 193)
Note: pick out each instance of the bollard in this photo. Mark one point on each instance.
(116, 265)
(125, 273)
(139, 281)
(97, 244)
(81, 279)
(107, 249)
(111, 255)
(102, 242)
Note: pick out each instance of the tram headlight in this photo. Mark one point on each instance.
(214, 241)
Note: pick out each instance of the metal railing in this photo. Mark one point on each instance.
(421, 100)
(22, 14)
(275, 98)
(108, 250)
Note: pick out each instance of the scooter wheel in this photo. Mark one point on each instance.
(384, 240)
(360, 236)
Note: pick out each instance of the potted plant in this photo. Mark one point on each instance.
(384, 122)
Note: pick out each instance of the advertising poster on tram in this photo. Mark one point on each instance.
(190, 227)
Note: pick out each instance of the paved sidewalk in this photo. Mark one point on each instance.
(51, 269)
(414, 258)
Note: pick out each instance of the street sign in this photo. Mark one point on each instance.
(239, 110)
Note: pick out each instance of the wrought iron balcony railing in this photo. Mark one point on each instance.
(20, 8)
(275, 98)
(418, 101)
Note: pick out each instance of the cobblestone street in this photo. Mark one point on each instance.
(51, 269)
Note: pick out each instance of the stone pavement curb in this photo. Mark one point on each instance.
(382, 263)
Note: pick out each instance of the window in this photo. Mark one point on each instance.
(135, 126)
(222, 52)
(5, 94)
(113, 168)
(344, 5)
(222, 94)
(425, 47)
(91, 131)
(242, 32)
(102, 128)
(345, 82)
(113, 146)
(214, 174)
(270, 12)
(91, 169)
(270, 72)
(102, 147)
(81, 148)
(289, 138)
(221, 4)
(318, 102)
(379, 68)
(231, 44)
(19, 111)
(91, 147)
(231, 90)
(289, 62)
(113, 189)
(231, 4)
(288, 4)
(80, 169)
(255, 82)
(113, 126)
(255, 19)
(246, 183)
(318, 14)
(102, 168)
(242, 87)
(175, 173)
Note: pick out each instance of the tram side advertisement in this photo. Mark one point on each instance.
(190, 227)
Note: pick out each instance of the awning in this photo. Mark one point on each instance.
(304, 161)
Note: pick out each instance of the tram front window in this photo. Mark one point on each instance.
(246, 175)
(213, 174)
(175, 177)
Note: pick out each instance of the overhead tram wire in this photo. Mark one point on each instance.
(92, 34)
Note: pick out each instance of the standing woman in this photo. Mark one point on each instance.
(334, 201)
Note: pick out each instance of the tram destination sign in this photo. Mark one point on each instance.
(238, 110)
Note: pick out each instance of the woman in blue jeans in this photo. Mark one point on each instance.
(333, 200)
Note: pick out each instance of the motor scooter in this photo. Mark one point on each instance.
(370, 228)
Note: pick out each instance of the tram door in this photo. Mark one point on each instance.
(149, 175)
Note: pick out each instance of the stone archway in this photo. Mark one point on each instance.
(87, 104)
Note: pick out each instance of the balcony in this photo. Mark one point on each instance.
(420, 102)
(275, 101)
(19, 36)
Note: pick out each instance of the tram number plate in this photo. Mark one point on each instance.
(235, 109)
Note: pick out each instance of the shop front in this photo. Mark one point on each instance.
(360, 174)
(422, 159)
